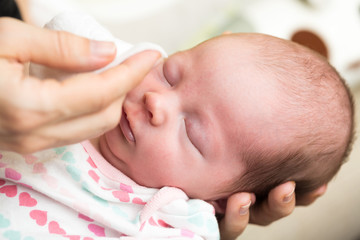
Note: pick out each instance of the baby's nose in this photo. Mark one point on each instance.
(154, 104)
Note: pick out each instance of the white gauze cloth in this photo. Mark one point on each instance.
(86, 26)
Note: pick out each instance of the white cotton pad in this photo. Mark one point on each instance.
(86, 26)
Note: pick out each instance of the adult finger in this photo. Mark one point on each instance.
(236, 216)
(66, 132)
(56, 49)
(280, 203)
(310, 197)
(47, 102)
(101, 89)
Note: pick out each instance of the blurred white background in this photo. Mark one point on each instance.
(177, 24)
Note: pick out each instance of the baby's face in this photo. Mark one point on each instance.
(185, 125)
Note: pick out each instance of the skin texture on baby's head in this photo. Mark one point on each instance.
(240, 112)
(312, 130)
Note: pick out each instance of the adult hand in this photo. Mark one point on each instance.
(280, 203)
(41, 113)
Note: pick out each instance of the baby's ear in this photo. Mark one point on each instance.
(219, 205)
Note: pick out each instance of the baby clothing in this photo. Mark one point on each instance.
(73, 193)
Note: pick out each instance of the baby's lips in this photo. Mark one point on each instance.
(126, 128)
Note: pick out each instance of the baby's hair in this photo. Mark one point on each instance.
(316, 112)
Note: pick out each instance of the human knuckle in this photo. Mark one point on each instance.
(69, 46)
(62, 44)
(17, 123)
(23, 145)
(20, 116)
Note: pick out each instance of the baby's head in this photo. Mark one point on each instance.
(240, 112)
(309, 131)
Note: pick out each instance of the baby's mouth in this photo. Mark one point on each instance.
(125, 127)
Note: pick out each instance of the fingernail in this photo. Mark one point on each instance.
(102, 49)
(245, 209)
(290, 196)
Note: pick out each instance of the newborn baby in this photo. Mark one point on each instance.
(239, 112)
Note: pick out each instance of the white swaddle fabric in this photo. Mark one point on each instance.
(86, 26)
